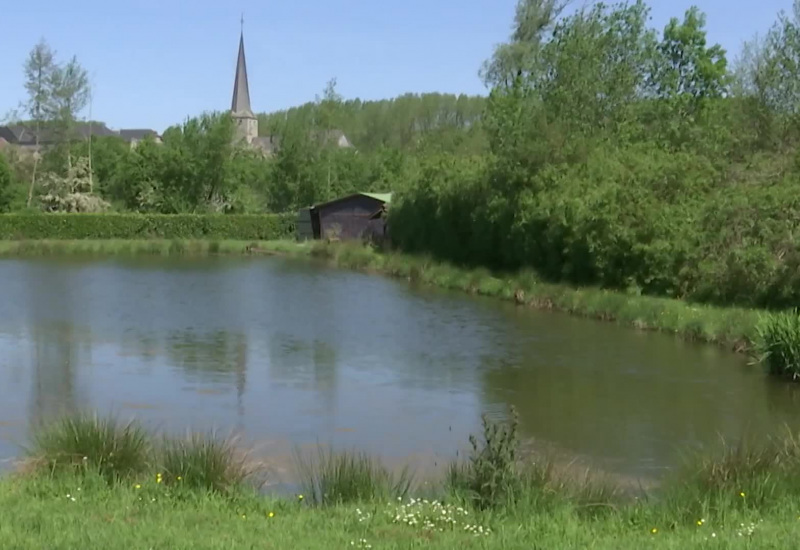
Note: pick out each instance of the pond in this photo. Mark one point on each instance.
(289, 353)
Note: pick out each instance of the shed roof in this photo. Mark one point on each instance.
(385, 198)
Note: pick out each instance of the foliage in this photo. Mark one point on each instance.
(778, 343)
(133, 226)
(626, 160)
(71, 193)
(491, 478)
(87, 442)
(6, 185)
(343, 477)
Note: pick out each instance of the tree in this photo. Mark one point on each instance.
(70, 96)
(71, 193)
(520, 55)
(39, 69)
(686, 65)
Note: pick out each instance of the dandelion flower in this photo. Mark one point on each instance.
(299, 497)
(137, 486)
(179, 478)
(654, 530)
(244, 516)
(741, 494)
(699, 522)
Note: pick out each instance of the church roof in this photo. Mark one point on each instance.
(240, 105)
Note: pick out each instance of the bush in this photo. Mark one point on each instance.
(777, 343)
(86, 442)
(491, 477)
(144, 226)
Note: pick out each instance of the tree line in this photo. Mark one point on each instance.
(607, 153)
(198, 167)
(626, 157)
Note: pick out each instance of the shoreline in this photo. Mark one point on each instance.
(731, 327)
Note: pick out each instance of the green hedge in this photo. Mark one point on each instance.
(143, 226)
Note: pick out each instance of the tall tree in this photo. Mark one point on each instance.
(70, 89)
(39, 69)
(532, 20)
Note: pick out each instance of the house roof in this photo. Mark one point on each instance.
(137, 133)
(25, 134)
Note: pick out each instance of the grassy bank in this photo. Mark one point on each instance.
(735, 328)
(112, 247)
(98, 483)
(774, 338)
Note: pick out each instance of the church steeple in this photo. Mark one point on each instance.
(241, 89)
(242, 113)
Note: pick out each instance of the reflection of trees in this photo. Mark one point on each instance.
(631, 398)
(53, 300)
(305, 364)
(210, 356)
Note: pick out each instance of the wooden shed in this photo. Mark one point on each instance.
(357, 216)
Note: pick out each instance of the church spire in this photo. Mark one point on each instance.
(240, 105)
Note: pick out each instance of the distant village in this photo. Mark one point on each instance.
(23, 136)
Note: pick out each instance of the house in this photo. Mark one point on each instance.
(134, 136)
(360, 216)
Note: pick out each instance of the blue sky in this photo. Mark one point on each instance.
(154, 63)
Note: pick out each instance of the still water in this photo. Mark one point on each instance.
(291, 353)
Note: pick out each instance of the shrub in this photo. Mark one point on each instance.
(116, 450)
(203, 461)
(777, 343)
(337, 478)
(144, 226)
(491, 477)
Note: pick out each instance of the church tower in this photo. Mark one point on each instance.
(246, 122)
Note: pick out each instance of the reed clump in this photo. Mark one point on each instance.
(330, 477)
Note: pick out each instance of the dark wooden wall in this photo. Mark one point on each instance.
(350, 218)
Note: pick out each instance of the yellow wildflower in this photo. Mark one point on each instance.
(654, 530)
(137, 486)
(741, 494)
(299, 497)
(244, 516)
(179, 478)
(271, 515)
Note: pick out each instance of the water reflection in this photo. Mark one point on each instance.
(293, 353)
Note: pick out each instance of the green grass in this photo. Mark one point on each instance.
(67, 512)
(116, 450)
(204, 461)
(343, 477)
(743, 496)
(110, 247)
(778, 343)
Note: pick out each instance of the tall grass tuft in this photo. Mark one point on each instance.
(745, 474)
(345, 477)
(491, 477)
(204, 461)
(777, 343)
(115, 450)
